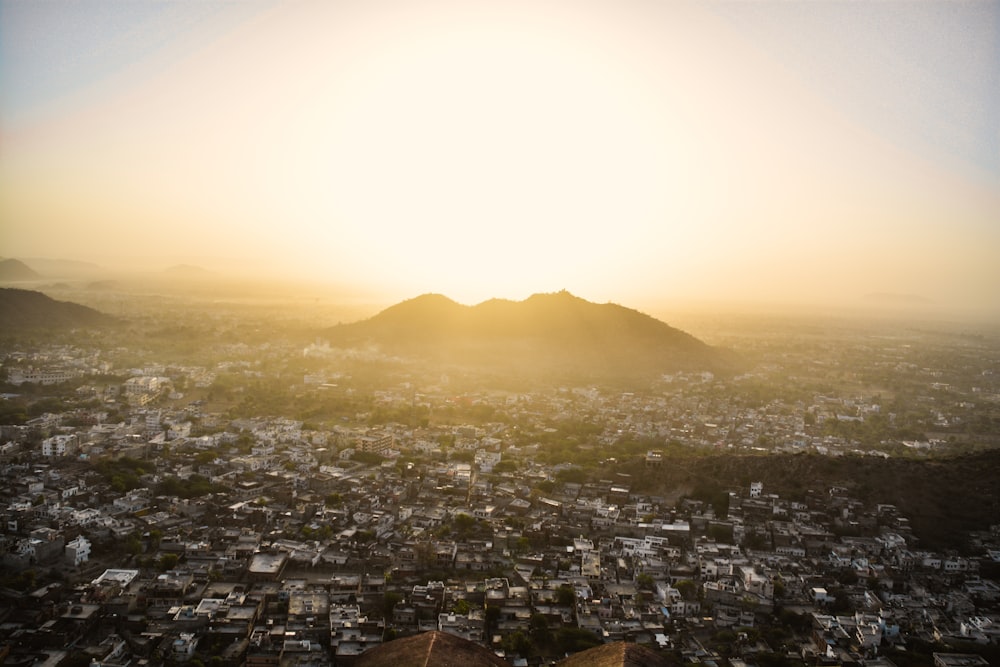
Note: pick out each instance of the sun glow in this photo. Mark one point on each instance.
(488, 149)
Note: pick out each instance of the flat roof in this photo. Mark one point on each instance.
(267, 563)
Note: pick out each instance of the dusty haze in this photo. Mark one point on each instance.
(641, 153)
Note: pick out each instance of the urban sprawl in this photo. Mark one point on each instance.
(162, 513)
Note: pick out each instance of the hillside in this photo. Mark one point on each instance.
(64, 268)
(547, 334)
(616, 654)
(445, 650)
(14, 270)
(429, 648)
(26, 309)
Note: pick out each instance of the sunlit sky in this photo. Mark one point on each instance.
(631, 151)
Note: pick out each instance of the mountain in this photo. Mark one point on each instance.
(64, 268)
(12, 270)
(555, 335)
(26, 309)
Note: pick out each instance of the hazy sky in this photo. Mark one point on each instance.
(625, 150)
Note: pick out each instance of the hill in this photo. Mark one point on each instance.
(617, 654)
(429, 648)
(64, 268)
(12, 270)
(555, 335)
(445, 650)
(26, 309)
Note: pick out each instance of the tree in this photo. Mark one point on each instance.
(539, 628)
(490, 620)
(133, 545)
(155, 535)
(571, 640)
(688, 589)
(389, 602)
(168, 562)
(565, 596)
(464, 523)
(518, 642)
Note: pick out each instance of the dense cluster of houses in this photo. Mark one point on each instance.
(170, 534)
(297, 551)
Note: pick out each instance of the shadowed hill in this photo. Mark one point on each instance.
(430, 648)
(444, 650)
(27, 309)
(546, 334)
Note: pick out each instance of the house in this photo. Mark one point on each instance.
(77, 551)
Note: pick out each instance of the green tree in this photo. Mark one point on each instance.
(572, 640)
(389, 602)
(464, 523)
(168, 562)
(491, 617)
(688, 589)
(565, 596)
(133, 545)
(538, 627)
(518, 642)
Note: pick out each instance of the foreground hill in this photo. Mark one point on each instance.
(429, 648)
(617, 654)
(444, 650)
(547, 334)
(26, 309)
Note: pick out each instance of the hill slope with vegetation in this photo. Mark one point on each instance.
(546, 334)
(27, 309)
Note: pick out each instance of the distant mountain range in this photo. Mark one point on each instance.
(554, 334)
(26, 309)
(42, 268)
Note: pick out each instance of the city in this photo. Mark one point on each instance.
(278, 499)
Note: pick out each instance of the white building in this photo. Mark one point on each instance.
(58, 445)
(44, 376)
(77, 551)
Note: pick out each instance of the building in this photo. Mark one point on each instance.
(77, 551)
(59, 445)
(377, 443)
(959, 660)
